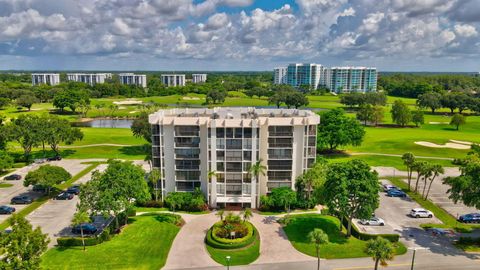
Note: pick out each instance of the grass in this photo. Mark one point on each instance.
(241, 256)
(448, 220)
(338, 246)
(40, 201)
(474, 247)
(5, 185)
(143, 244)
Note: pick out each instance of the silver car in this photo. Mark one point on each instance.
(420, 212)
(374, 221)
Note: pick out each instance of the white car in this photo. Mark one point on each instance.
(420, 212)
(374, 221)
(387, 187)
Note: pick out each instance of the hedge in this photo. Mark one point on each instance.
(232, 241)
(77, 241)
(233, 245)
(365, 236)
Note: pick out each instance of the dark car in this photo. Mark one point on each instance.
(39, 188)
(21, 200)
(396, 193)
(75, 189)
(54, 158)
(470, 218)
(13, 177)
(64, 196)
(87, 229)
(5, 210)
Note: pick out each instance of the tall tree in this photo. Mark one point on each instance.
(278, 98)
(432, 100)
(365, 113)
(255, 170)
(458, 120)
(418, 118)
(141, 127)
(6, 161)
(336, 129)
(381, 251)
(318, 237)
(296, 99)
(401, 114)
(57, 130)
(26, 101)
(351, 190)
(409, 161)
(436, 169)
(23, 246)
(377, 115)
(80, 217)
(466, 186)
(47, 176)
(420, 167)
(26, 130)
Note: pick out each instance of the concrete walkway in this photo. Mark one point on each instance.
(274, 244)
(188, 249)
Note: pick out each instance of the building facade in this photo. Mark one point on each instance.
(45, 78)
(89, 78)
(336, 79)
(304, 74)
(351, 79)
(171, 80)
(133, 79)
(280, 75)
(213, 149)
(199, 78)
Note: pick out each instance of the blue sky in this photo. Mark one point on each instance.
(393, 35)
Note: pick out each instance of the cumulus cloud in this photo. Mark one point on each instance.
(236, 30)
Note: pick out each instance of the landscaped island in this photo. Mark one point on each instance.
(233, 237)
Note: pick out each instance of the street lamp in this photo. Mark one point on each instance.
(413, 256)
(228, 262)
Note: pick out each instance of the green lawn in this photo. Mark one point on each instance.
(5, 185)
(241, 256)
(448, 220)
(143, 244)
(338, 247)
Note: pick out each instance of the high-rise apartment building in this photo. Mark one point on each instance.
(199, 78)
(280, 75)
(173, 79)
(304, 74)
(45, 78)
(351, 79)
(89, 78)
(133, 79)
(337, 79)
(187, 144)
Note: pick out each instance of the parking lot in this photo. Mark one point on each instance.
(394, 211)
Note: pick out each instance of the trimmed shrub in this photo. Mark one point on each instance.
(151, 204)
(77, 241)
(231, 244)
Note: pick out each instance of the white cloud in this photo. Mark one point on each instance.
(465, 30)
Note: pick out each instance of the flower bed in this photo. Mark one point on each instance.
(212, 238)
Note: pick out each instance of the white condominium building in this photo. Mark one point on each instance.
(304, 74)
(89, 78)
(280, 75)
(45, 78)
(187, 144)
(351, 79)
(133, 79)
(173, 79)
(199, 78)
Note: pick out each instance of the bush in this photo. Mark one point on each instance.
(186, 201)
(224, 243)
(151, 204)
(77, 241)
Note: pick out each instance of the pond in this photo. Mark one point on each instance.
(105, 123)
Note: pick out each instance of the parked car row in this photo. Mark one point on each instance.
(6, 210)
(43, 160)
(393, 191)
(470, 218)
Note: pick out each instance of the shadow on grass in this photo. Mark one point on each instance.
(135, 150)
(450, 129)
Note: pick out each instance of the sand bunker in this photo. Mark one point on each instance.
(132, 112)
(191, 98)
(128, 102)
(439, 123)
(453, 144)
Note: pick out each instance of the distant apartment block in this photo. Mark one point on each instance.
(89, 78)
(171, 80)
(45, 78)
(133, 79)
(280, 75)
(337, 79)
(351, 79)
(199, 78)
(187, 144)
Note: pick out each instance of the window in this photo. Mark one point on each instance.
(234, 189)
(220, 155)
(229, 132)
(234, 166)
(187, 164)
(279, 176)
(186, 130)
(233, 155)
(220, 166)
(280, 165)
(247, 155)
(247, 132)
(220, 132)
(238, 133)
(187, 186)
(234, 144)
(187, 175)
(233, 178)
(187, 153)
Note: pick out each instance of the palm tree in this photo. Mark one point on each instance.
(211, 174)
(419, 167)
(247, 214)
(155, 176)
(318, 237)
(427, 174)
(220, 213)
(437, 169)
(409, 160)
(381, 251)
(255, 170)
(79, 218)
